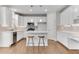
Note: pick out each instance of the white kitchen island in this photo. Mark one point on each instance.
(36, 39)
(24, 34)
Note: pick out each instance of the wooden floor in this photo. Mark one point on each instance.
(53, 48)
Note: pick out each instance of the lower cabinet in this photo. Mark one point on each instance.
(68, 40)
(63, 38)
(6, 39)
(20, 35)
(74, 43)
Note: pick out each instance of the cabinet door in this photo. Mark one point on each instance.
(73, 44)
(20, 35)
(67, 16)
(5, 16)
(9, 17)
(6, 38)
(21, 21)
(62, 37)
(65, 39)
(59, 37)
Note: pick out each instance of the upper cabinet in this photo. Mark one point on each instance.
(5, 17)
(68, 16)
(23, 20)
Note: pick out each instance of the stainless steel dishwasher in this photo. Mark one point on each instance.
(14, 37)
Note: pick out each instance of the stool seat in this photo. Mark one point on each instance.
(41, 36)
(30, 36)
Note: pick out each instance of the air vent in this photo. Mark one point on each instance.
(31, 6)
(41, 6)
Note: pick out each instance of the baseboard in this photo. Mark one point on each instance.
(63, 45)
(52, 39)
(17, 42)
(36, 45)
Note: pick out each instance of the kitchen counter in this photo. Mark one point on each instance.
(7, 33)
(36, 32)
(6, 36)
(70, 39)
(75, 33)
(9, 29)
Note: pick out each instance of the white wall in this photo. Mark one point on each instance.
(51, 25)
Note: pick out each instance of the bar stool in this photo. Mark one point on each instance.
(31, 37)
(41, 37)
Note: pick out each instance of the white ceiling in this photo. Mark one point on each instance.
(36, 9)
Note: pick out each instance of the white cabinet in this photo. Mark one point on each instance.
(23, 20)
(6, 39)
(20, 35)
(63, 38)
(74, 42)
(68, 15)
(5, 16)
(68, 40)
(9, 17)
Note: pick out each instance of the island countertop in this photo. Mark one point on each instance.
(23, 30)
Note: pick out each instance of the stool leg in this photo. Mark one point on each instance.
(28, 41)
(38, 44)
(43, 42)
(28, 44)
(33, 44)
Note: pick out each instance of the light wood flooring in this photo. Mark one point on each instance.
(52, 48)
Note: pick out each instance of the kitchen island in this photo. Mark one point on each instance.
(36, 39)
(7, 37)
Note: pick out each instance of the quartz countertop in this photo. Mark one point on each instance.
(72, 32)
(19, 30)
(36, 31)
(4, 29)
(74, 35)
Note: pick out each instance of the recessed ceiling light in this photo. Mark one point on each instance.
(13, 9)
(76, 10)
(40, 5)
(30, 9)
(46, 10)
(40, 20)
(31, 20)
(31, 6)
